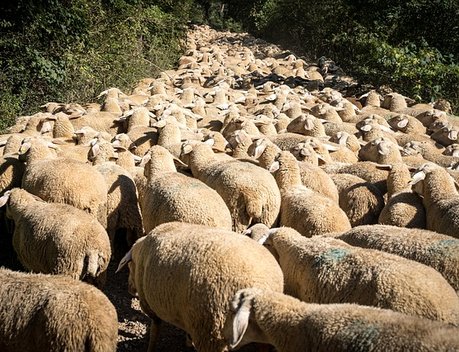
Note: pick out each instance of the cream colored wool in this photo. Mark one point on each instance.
(186, 274)
(293, 326)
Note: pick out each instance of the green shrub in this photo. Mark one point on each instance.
(72, 50)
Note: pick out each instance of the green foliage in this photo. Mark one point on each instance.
(409, 45)
(66, 51)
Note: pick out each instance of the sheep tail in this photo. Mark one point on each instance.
(253, 207)
(91, 264)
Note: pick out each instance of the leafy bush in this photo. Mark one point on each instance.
(72, 50)
(408, 45)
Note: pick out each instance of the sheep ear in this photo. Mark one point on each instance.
(46, 127)
(452, 135)
(259, 150)
(308, 124)
(179, 162)
(146, 158)
(209, 141)
(342, 140)
(137, 159)
(102, 93)
(383, 148)
(126, 259)
(52, 145)
(24, 148)
(384, 167)
(385, 129)
(419, 176)
(95, 147)
(402, 123)
(366, 128)
(159, 124)
(274, 167)
(330, 148)
(4, 198)
(187, 149)
(267, 235)
(241, 320)
(127, 113)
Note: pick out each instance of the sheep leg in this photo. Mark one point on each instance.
(154, 331)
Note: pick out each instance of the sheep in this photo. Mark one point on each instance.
(292, 326)
(429, 152)
(12, 143)
(326, 112)
(101, 121)
(123, 146)
(328, 270)
(427, 118)
(11, 172)
(305, 153)
(346, 139)
(232, 124)
(373, 130)
(403, 207)
(361, 200)
(170, 136)
(305, 210)
(250, 192)
(332, 128)
(446, 135)
(394, 102)
(55, 238)
(240, 142)
(307, 125)
(171, 196)
(63, 180)
(266, 125)
(439, 251)
(186, 274)
(288, 140)
(54, 313)
(381, 151)
(124, 221)
(440, 198)
(407, 124)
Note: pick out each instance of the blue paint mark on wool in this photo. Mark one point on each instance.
(334, 255)
(444, 246)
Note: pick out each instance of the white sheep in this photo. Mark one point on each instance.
(439, 251)
(305, 210)
(440, 198)
(124, 221)
(54, 313)
(171, 196)
(293, 326)
(326, 270)
(63, 180)
(250, 192)
(55, 238)
(186, 274)
(361, 200)
(403, 207)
